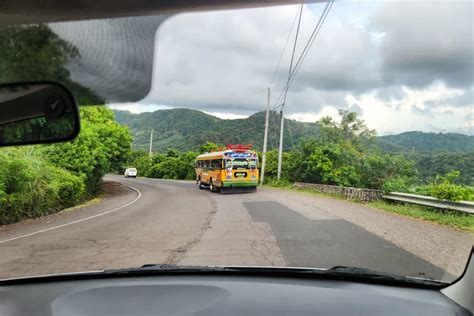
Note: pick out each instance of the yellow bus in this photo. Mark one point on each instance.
(233, 169)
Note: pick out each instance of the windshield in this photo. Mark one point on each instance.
(317, 135)
(240, 163)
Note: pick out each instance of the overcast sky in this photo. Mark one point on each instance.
(401, 65)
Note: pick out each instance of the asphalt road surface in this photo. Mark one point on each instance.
(161, 221)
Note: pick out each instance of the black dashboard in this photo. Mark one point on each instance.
(220, 295)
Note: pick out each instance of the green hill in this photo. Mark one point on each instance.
(426, 142)
(186, 129)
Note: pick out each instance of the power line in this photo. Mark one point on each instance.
(305, 51)
(316, 32)
(284, 48)
(293, 53)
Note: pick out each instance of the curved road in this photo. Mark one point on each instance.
(162, 221)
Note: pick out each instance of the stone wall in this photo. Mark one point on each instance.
(349, 193)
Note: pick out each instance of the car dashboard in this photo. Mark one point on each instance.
(220, 295)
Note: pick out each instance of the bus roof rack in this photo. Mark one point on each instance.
(239, 147)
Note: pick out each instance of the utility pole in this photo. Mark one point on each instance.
(265, 138)
(280, 147)
(151, 144)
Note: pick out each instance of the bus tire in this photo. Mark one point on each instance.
(200, 184)
(213, 187)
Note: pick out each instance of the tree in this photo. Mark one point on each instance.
(102, 146)
(350, 129)
(208, 147)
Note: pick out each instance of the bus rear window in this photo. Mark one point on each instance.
(240, 163)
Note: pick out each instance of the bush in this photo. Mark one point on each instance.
(444, 188)
(277, 183)
(102, 146)
(30, 186)
(36, 181)
(449, 191)
(397, 184)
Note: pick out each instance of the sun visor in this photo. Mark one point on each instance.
(100, 61)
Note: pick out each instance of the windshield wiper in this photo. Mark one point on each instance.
(165, 267)
(363, 273)
(339, 272)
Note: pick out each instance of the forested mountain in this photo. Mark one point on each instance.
(426, 142)
(186, 129)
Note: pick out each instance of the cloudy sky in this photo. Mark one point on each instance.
(401, 65)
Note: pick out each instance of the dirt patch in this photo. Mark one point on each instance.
(110, 189)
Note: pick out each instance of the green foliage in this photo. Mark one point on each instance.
(444, 188)
(341, 156)
(397, 184)
(38, 180)
(102, 146)
(380, 171)
(208, 147)
(433, 164)
(172, 165)
(426, 142)
(350, 129)
(282, 183)
(30, 186)
(187, 130)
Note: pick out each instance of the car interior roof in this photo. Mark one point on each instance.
(34, 11)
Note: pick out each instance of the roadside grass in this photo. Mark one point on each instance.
(444, 217)
(309, 191)
(454, 219)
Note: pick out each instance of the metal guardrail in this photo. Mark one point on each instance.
(461, 206)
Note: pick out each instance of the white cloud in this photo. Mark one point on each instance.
(137, 107)
(401, 69)
(227, 116)
(312, 117)
(419, 109)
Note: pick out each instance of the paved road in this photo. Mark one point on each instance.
(160, 221)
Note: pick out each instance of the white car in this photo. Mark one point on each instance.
(130, 172)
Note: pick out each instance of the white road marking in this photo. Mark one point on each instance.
(79, 220)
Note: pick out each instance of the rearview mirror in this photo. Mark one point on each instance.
(37, 112)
